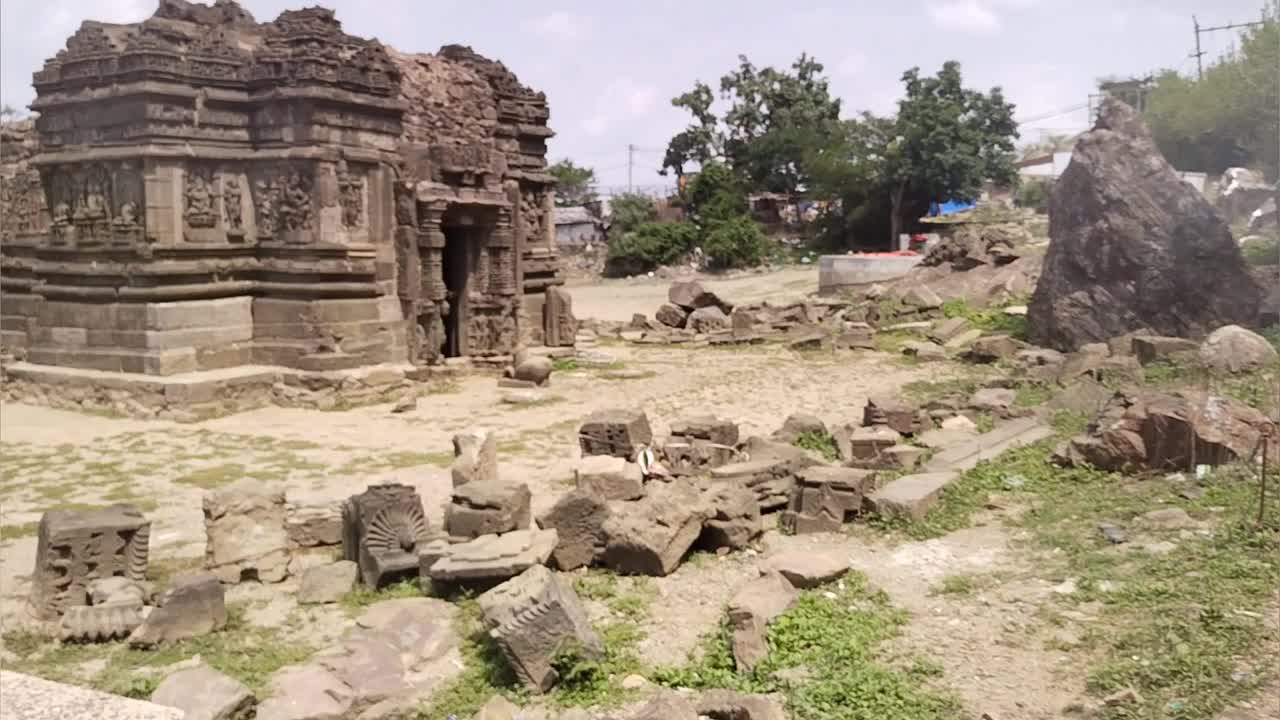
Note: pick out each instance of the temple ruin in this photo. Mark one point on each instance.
(208, 192)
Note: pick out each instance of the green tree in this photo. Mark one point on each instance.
(773, 120)
(1230, 117)
(574, 185)
(945, 142)
(630, 211)
(701, 141)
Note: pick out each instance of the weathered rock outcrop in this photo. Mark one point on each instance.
(1134, 247)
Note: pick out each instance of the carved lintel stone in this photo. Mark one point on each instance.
(77, 547)
(383, 529)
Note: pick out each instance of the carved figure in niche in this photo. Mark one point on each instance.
(128, 215)
(199, 211)
(61, 214)
(268, 202)
(383, 530)
(231, 205)
(75, 548)
(351, 195)
(295, 206)
(93, 204)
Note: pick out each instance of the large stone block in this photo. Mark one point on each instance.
(734, 520)
(653, 535)
(489, 558)
(312, 519)
(75, 548)
(751, 610)
(187, 314)
(203, 693)
(192, 607)
(487, 508)
(612, 478)
(706, 427)
(245, 533)
(578, 518)
(825, 497)
(910, 497)
(534, 617)
(383, 531)
(615, 432)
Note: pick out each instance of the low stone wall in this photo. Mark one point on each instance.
(841, 272)
(198, 396)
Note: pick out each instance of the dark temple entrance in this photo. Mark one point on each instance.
(466, 230)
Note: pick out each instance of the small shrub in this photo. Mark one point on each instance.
(649, 246)
(1262, 251)
(734, 243)
(630, 211)
(1034, 194)
(819, 442)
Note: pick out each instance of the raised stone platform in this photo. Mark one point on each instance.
(843, 272)
(30, 698)
(194, 396)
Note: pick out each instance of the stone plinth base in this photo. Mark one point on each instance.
(190, 397)
(842, 272)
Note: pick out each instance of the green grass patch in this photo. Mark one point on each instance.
(991, 320)
(485, 671)
(362, 596)
(626, 597)
(212, 477)
(1174, 626)
(925, 391)
(835, 640)
(246, 652)
(1259, 389)
(15, 532)
(820, 442)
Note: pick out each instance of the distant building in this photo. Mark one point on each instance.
(576, 227)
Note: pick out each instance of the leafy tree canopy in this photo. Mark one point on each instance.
(574, 185)
(945, 142)
(774, 118)
(1229, 118)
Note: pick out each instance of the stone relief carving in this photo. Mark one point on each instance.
(266, 202)
(295, 202)
(233, 215)
(199, 210)
(351, 196)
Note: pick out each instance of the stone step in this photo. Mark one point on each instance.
(910, 497)
(967, 454)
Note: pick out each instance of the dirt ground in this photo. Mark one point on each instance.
(997, 650)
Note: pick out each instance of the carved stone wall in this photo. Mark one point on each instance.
(304, 170)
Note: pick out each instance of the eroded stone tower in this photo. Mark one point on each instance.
(212, 192)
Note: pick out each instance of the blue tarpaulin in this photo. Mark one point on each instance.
(949, 207)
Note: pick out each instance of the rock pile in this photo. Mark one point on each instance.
(1140, 431)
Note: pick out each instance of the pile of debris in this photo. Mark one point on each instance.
(1163, 432)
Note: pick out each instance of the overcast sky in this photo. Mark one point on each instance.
(610, 68)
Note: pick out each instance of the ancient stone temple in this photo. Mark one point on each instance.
(210, 192)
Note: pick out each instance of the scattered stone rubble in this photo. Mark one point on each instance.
(1139, 431)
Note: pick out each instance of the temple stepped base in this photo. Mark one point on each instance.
(195, 396)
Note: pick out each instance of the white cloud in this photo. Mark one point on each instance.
(852, 64)
(560, 23)
(622, 98)
(965, 16)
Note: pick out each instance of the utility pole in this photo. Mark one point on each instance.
(631, 163)
(1199, 54)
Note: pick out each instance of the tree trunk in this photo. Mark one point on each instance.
(895, 216)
